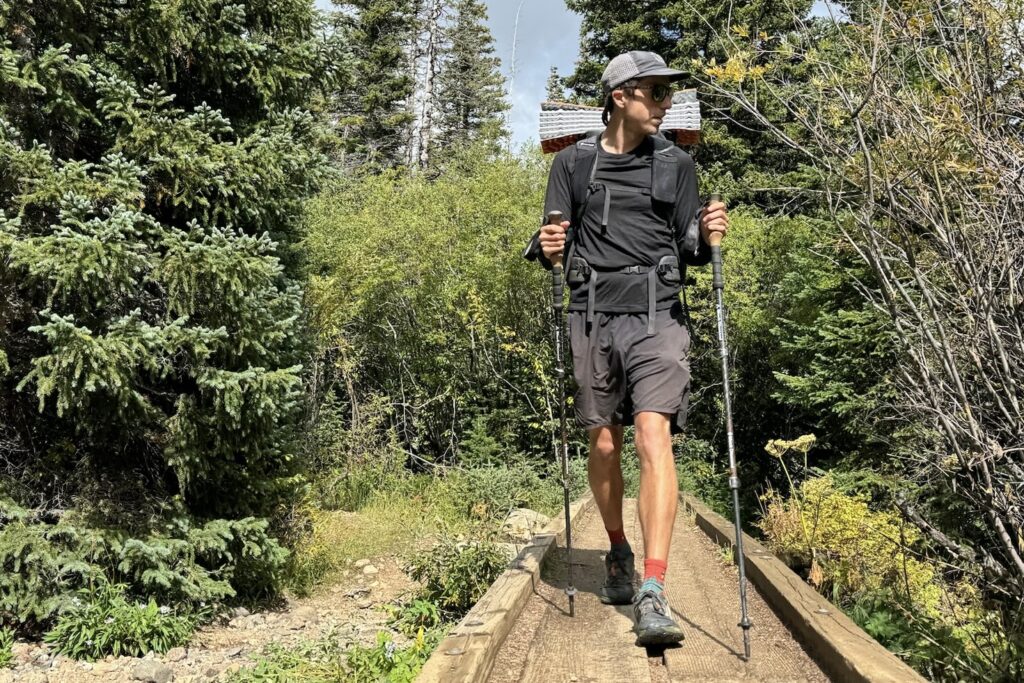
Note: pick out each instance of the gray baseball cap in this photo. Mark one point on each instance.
(636, 64)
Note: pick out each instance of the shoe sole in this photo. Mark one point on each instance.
(659, 636)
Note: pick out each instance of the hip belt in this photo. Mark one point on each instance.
(580, 272)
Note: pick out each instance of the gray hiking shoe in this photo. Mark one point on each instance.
(618, 582)
(654, 622)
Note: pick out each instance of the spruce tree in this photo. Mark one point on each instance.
(375, 105)
(470, 87)
(554, 88)
(154, 159)
(736, 155)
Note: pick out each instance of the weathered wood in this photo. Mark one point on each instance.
(841, 647)
(467, 654)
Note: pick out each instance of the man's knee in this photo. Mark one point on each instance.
(605, 443)
(653, 435)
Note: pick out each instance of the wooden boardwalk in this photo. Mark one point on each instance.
(598, 644)
(521, 631)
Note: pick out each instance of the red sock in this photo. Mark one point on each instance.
(655, 569)
(617, 536)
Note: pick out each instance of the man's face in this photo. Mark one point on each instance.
(642, 109)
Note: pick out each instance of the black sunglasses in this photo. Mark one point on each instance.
(659, 91)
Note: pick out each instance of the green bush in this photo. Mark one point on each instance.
(417, 614)
(698, 474)
(460, 343)
(178, 562)
(319, 661)
(105, 623)
(455, 574)
(489, 492)
(6, 647)
(933, 648)
(386, 661)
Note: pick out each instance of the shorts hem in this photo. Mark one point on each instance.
(657, 409)
(594, 424)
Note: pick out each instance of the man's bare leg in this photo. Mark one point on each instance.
(604, 471)
(659, 491)
(659, 494)
(605, 474)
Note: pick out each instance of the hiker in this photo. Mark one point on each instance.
(635, 223)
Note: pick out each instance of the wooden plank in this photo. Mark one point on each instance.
(841, 647)
(467, 654)
(598, 643)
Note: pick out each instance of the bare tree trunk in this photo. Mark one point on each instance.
(426, 119)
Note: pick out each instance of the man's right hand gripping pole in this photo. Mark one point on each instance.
(552, 237)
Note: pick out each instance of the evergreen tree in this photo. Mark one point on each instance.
(375, 105)
(555, 90)
(737, 158)
(153, 163)
(470, 87)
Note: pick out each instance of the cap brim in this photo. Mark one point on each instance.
(674, 74)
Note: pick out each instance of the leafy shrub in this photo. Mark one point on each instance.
(417, 614)
(42, 566)
(845, 545)
(939, 651)
(455, 574)
(698, 474)
(864, 559)
(319, 661)
(6, 647)
(105, 623)
(386, 661)
(489, 492)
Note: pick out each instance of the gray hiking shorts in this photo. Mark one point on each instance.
(621, 371)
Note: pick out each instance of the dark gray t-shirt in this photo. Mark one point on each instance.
(638, 230)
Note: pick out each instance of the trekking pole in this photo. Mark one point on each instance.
(555, 217)
(734, 481)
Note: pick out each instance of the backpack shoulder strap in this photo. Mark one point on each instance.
(581, 170)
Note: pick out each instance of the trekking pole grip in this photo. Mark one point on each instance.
(715, 240)
(555, 218)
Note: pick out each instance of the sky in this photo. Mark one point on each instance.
(547, 35)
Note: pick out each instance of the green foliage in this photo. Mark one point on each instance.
(470, 88)
(421, 296)
(455, 574)
(492, 492)
(386, 661)
(936, 649)
(372, 105)
(848, 547)
(328, 659)
(409, 618)
(698, 473)
(865, 561)
(157, 161)
(182, 563)
(104, 622)
(6, 648)
(320, 661)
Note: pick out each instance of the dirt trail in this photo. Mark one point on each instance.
(350, 610)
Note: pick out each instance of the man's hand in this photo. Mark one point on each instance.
(714, 219)
(552, 241)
